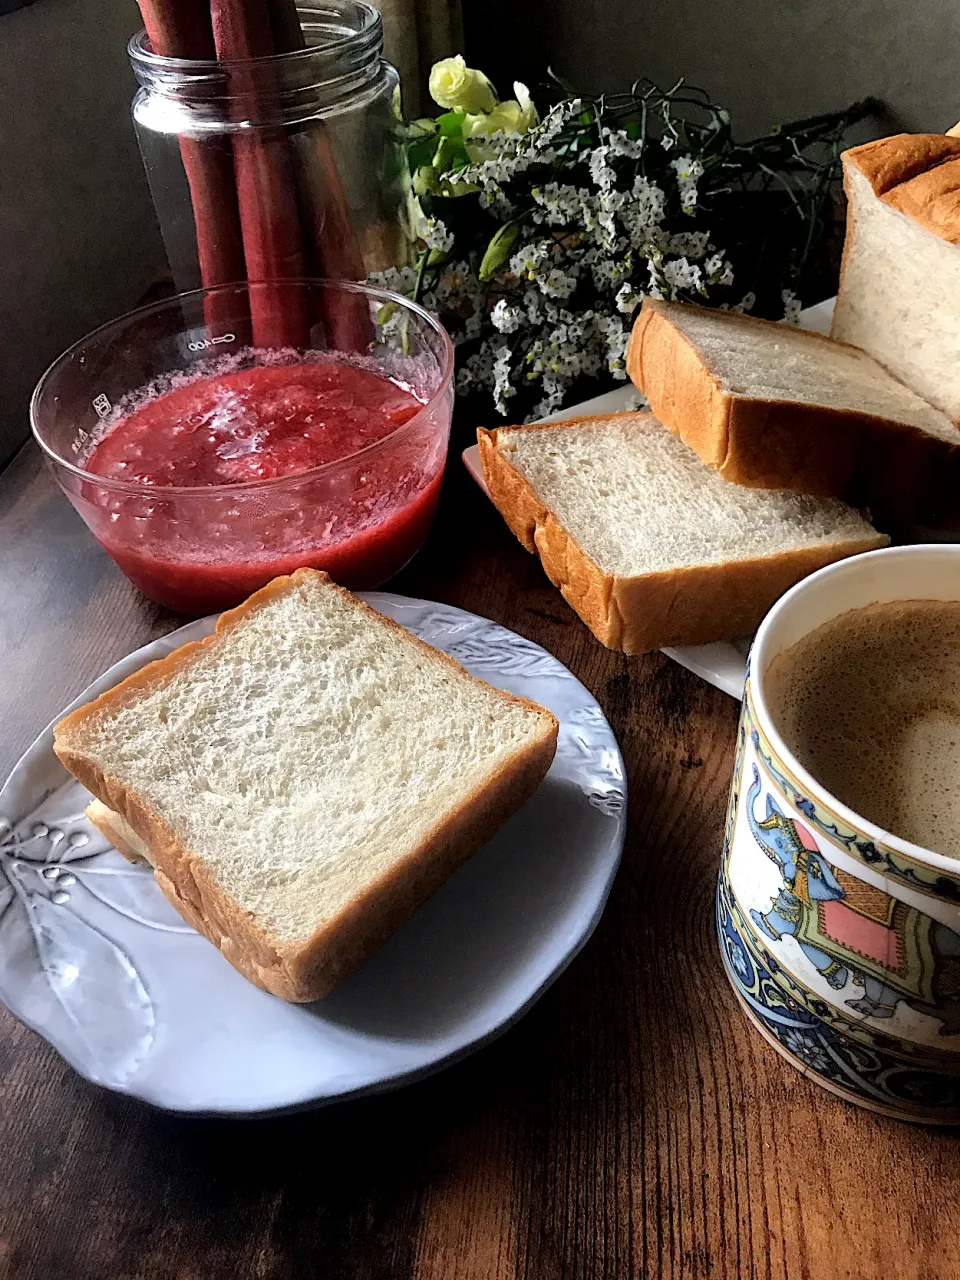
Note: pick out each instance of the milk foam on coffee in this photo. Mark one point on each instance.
(869, 704)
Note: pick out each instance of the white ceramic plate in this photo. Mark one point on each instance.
(723, 665)
(94, 958)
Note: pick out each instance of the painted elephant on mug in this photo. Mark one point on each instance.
(850, 930)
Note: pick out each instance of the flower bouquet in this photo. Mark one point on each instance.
(539, 235)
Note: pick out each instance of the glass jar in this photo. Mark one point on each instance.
(306, 144)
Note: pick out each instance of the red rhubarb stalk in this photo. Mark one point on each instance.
(183, 30)
(330, 242)
(272, 244)
(209, 169)
(177, 29)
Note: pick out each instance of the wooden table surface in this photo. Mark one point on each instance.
(631, 1125)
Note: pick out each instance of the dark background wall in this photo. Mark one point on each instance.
(766, 60)
(78, 238)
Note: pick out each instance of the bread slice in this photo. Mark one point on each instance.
(648, 545)
(118, 831)
(305, 778)
(899, 295)
(772, 406)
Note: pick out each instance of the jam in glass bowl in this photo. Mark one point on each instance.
(206, 466)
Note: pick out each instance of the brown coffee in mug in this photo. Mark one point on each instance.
(869, 704)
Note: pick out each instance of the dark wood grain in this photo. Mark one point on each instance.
(629, 1126)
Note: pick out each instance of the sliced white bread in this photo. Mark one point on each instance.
(305, 778)
(773, 406)
(118, 831)
(899, 295)
(648, 545)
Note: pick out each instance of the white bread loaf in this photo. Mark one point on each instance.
(773, 406)
(305, 778)
(899, 296)
(648, 545)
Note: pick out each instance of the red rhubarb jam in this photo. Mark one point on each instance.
(252, 473)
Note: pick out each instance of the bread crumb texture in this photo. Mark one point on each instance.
(899, 293)
(637, 500)
(307, 751)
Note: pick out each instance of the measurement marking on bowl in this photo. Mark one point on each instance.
(204, 343)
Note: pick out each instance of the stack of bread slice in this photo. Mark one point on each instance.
(769, 449)
(303, 779)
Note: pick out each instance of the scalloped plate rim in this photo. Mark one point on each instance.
(196, 629)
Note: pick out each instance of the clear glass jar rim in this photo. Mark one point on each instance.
(366, 37)
(158, 492)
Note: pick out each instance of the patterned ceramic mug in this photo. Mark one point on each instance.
(841, 941)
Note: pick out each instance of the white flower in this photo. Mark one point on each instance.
(543, 409)
(505, 318)
(514, 117)
(688, 171)
(681, 274)
(502, 387)
(596, 243)
(396, 279)
(602, 174)
(717, 270)
(612, 201)
(526, 261)
(627, 299)
(746, 303)
(558, 206)
(615, 338)
(691, 244)
(533, 301)
(668, 142)
(658, 287)
(434, 234)
(609, 272)
(539, 140)
(392, 329)
(646, 209)
(621, 144)
(457, 87)
(607, 226)
(791, 307)
(557, 284)
(496, 162)
(494, 197)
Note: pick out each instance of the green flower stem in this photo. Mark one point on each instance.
(421, 271)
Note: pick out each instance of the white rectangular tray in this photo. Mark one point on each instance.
(724, 664)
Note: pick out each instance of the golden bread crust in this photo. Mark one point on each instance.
(904, 475)
(301, 971)
(916, 173)
(888, 162)
(682, 392)
(695, 605)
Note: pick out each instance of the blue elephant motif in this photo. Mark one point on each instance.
(777, 836)
(928, 978)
